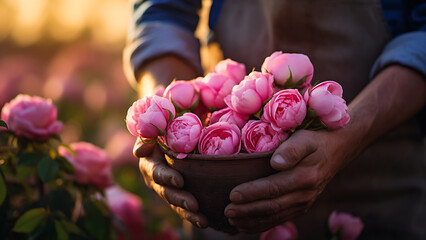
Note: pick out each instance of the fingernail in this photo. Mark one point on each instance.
(230, 213)
(173, 180)
(236, 197)
(231, 222)
(185, 205)
(279, 159)
(198, 224)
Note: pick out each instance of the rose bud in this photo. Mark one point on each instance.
(285, 110)
(220, 139)
(248, 96)
(214, 87)
(345, 225)
(148, 117)
(183, 94)
(32, 117)
(232, 69)
(127, 207)
(183, 133)
(285, 231)
(91, 164)
(259, 136)
(327, 102)
(288, 68)
(230, 116)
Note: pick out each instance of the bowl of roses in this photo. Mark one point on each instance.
(221, 130)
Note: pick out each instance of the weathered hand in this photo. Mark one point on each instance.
(166, 182)
(306, 161)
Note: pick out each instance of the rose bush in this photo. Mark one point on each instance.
(32, 117)
(92, 165)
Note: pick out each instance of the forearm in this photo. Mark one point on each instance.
(394, 96)
(161, 71)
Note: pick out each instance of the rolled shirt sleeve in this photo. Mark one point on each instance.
(161, 27)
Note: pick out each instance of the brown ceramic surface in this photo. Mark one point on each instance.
(210, 178)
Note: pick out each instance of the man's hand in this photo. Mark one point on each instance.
(166, 182)
(306, 161)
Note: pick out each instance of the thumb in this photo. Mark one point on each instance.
(293, 150)
(141, 149)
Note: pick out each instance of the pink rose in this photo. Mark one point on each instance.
(259, 136)
(159, 90)
(285, 231)
(347, 226)
(327, 102)
(183, 133)
(285, 110)
(128, 208)
(230, 116)
(220, 139)
(231, 69)
(288, 68)
(183, 94)
(248, 96)
(167, 233)
(91, 164)
(148, 117)
(214, 87)
(32, 117)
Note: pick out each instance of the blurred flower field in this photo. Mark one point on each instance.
(70, 51)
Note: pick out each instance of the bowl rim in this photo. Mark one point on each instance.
(194, 156)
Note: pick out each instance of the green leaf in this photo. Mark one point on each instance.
(3, 190)
(73, 229)
(30, 220)
(65, 164)
(60, 231)
(160, 131)
(29, 159)
(171, 116)
(23, 172)
(47, 169)
(95, 222)
(3, 124)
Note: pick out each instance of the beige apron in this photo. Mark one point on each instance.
(386, 184)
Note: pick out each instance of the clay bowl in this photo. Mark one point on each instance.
(210, 178)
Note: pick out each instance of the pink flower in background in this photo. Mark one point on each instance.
(183, 94)
(120, 148)
(248, 96)
(220, 139)
(259, 136)
(128, 208)
(148, 117)
(285, 231)
(183, 133)
(347, 226)
(230, 116)
(231, 69)
(285, 110)
(327, 102)
(288, 67)
(32, 117)
(214, 87)
(91, 164)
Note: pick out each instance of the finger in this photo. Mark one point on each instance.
(141, 149)
(255, 225)
(155, 167)
(294, 149)
(271, 206)
(176, 197)
(275, 185)
(196, 219)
